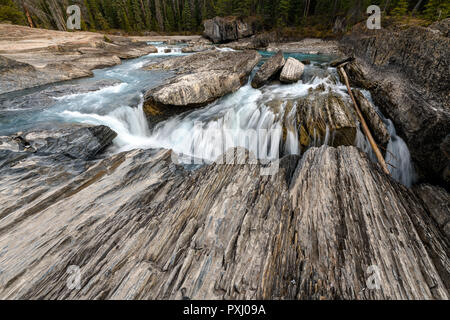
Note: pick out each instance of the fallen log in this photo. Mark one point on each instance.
(364, 126)
(338, 63)
(27, 13)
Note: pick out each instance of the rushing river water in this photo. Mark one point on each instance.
(199, 134)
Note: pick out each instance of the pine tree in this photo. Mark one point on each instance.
(136, 12)
(437, 10)
(10, 12)
(242, 7)
(224, 7)
(283, 13)
(187, 16)
(401, 8)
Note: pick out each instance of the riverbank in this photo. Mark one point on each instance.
(31, 57)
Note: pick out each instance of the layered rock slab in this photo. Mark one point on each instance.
(31, 57)
(202, 78)
(140, 227)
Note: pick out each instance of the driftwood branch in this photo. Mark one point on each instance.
(27, 13)
(364, 126)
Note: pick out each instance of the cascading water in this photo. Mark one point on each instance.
(398, 157)
(246, 118)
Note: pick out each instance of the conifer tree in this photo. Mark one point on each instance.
(10, 12)
(401, 8)
(187, 16)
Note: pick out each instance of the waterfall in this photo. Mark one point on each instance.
(398, 158)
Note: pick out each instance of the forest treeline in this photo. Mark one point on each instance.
(188, 15)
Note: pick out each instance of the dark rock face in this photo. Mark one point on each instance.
(269, 70)
(322, 116)
(203, 78)
(78, 142)
(140, 227)
(46, 97)
(72, 141)
(407, 74)
(374, 121)
(437, 201)
(420, 53)
(228, 29)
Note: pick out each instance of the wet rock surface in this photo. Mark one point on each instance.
(324, 117)
(31, 57)
(74, 141)
(140, 227)
(269, 70)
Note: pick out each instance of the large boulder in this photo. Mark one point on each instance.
(203, 78)
(225, 29)
(292, 71)
(268, 70)
(325, 118)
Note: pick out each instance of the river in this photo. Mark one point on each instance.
(198, 134)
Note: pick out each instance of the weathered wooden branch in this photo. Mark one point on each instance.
(27, 13)
(339, 63)
(364, 126)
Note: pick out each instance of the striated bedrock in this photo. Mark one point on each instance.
(407, 72)
(437, 201)
(31, 57)
(141, 227)
(226, 29)
(201, 79)
(420, 53)
(269, 70)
